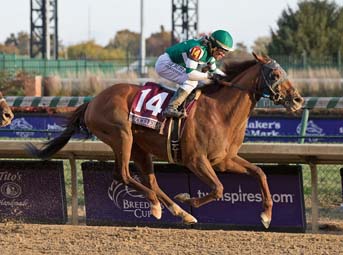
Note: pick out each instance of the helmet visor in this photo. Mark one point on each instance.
(221, 46)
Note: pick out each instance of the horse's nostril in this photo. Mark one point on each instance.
(299, 100)
(7, 115)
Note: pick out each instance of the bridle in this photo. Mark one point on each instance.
(270, 85)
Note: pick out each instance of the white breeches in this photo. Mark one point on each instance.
(167, 69)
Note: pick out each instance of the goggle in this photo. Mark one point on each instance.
(222, 50)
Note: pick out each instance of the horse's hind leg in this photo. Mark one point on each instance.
(144, 163)
(120, 140)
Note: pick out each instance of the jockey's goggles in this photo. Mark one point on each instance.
(222, 50)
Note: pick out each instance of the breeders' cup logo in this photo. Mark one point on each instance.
(312, 129)
(55, 127)
(129, 200)
(10, 190)
(21, 123)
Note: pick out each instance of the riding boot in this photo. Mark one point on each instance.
(171, 111)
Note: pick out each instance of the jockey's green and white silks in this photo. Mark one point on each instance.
(181, 61)
(190, 54)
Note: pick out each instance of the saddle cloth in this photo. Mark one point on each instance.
(146, 110)
(149, 103)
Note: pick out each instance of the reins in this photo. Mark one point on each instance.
(237, 86)
(259, 91)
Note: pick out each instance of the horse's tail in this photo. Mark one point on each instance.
(74, 125)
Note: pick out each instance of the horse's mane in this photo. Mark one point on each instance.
(231, 70)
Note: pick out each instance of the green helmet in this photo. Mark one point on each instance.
(222, 39)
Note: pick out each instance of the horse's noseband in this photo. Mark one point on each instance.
(271, 83)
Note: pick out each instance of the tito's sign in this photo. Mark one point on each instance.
(33, 192)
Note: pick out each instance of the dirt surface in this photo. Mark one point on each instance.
(66, 239)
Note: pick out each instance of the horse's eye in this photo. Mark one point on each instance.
(272, 75)
(275, 75)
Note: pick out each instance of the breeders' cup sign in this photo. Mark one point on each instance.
(32, 191)
(108, 201)
(128, 200)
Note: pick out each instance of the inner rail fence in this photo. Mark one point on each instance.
(63, 67)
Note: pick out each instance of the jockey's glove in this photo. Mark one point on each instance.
(214, 76)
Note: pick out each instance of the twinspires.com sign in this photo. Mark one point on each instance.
(32, 192)
(242, 200)
(110, 202)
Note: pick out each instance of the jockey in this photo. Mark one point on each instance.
(180, 62)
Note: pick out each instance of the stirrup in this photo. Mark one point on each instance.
(173, 113)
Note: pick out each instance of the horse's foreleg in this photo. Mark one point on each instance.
(144, 163)
(202, 168)
(242, 166)
(175, 209)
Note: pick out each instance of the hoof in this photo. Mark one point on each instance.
(265, 220)
(182, 197)
(156, 210)
(189, 220)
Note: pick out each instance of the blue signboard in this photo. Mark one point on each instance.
(241, 204)
(109, 201)
(33, 192)
(276, 129)
(35, 126)
(268, 129)
(49, 125)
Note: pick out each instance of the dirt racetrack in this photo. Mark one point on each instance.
(66, 239)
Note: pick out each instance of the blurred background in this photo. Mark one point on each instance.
(76, 48)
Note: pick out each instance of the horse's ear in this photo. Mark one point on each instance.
(261, 58)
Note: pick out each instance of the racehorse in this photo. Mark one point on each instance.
(212, 135)
(6, 114)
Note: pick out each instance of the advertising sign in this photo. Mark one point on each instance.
(32, 192)
(241, 204)
(268, 129)
(109, 202)
(39, 122)
(271, 129)
(40, 125)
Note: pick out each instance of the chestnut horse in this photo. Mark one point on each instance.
(213, 133)
(6, 114)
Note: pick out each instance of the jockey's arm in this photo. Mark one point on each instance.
(213, 67)
(193, 74)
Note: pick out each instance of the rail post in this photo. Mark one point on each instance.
(314, 197)
(74, 195)
(304, 120)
